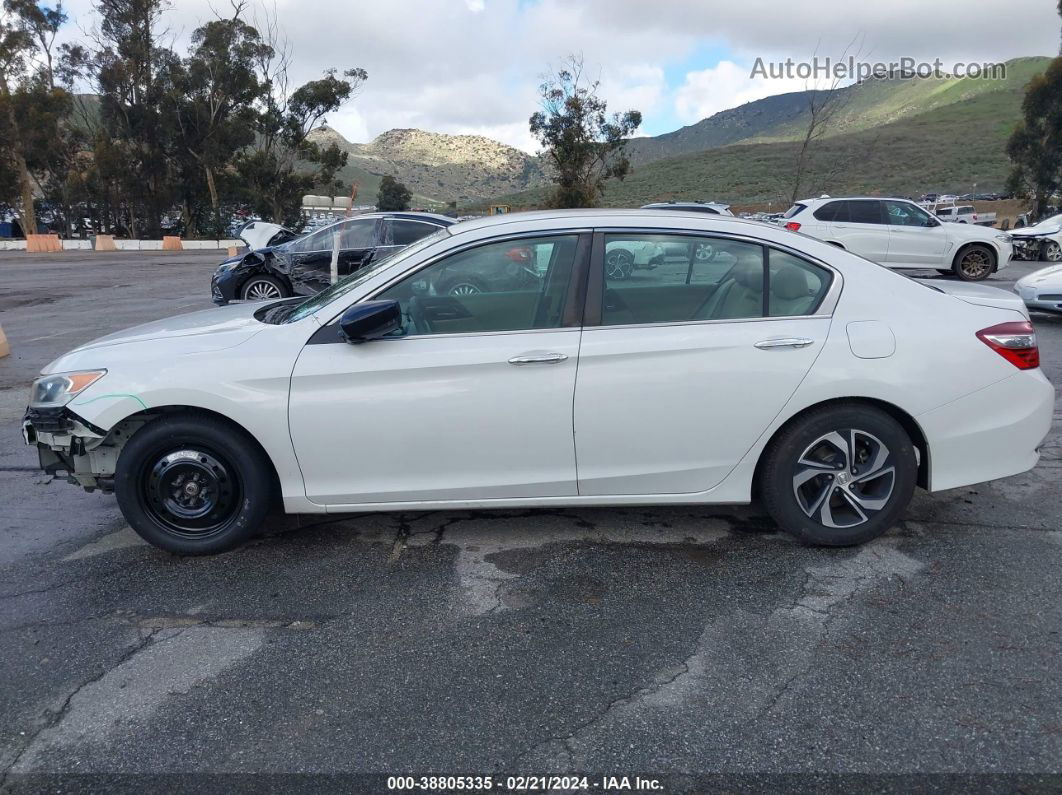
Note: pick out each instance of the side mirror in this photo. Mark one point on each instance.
(370, 321)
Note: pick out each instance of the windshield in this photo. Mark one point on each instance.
(345, 285)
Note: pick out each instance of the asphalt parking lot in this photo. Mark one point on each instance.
(669, 642)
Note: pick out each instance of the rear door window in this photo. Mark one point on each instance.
(864, 211)
(403, 232)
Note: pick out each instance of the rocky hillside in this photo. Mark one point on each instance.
(439, 166)
(860, 107)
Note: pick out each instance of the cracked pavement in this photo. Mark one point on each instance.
(670, 642)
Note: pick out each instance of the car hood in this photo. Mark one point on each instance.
(258, 234)
(1049, 275)
(981, 294)
(214, 329)
(1035, 231)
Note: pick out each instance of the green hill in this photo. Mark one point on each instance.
(894, 138)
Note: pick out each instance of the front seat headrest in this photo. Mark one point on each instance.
(748, 272)
(789, 283)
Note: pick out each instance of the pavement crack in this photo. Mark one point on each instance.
(52, 718)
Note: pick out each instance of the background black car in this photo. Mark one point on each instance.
(303, 266)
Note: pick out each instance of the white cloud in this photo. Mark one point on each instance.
(727, 85)
(473, 65)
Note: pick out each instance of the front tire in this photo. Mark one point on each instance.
(193, 484)
(263, 288)
(1051, 252)
(975, 263)
(839, 475)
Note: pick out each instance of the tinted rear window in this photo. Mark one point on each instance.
(864, 212)
(796, 208)
(827, 212)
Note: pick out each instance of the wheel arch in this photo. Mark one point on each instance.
(979, 244)
(906, 421)
(122, 431)
(262, 270)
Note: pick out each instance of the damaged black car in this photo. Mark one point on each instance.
(303, 265)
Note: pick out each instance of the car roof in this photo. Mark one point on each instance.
(414, 215)
(654, 205)
(576, 219)
(818, 199)
(411, 216)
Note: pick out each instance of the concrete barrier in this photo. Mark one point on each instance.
(5, 349)
(43, 244)
(109, 243)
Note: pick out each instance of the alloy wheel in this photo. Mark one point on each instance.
(975, 264)
(703, 252)
(618, 264)
(844, 478)
(261, 291)
(1053, 252)
(464, 288)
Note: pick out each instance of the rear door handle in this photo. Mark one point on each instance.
(785, 342)
(538, 358)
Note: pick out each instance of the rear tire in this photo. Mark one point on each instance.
(975, 263)
(807, 481)
(193, 484)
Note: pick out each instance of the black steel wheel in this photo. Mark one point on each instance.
(193, 484)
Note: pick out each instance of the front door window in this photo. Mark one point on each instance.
(511, 285)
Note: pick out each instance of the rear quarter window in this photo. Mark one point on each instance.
(828, 212)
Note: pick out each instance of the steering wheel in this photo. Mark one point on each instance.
(418, 317)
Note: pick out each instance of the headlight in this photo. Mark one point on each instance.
(53, 391)
(228, 265)
(1004, 238)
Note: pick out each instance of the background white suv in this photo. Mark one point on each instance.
(899, 234)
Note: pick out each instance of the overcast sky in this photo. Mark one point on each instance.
(472, 66)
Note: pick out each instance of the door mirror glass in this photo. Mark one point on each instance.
(370, 321)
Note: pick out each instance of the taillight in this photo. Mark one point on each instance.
(793, 226)
(1015, 342)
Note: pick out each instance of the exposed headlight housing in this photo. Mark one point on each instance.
(229, 264)
(1004, 238)
(58, 389)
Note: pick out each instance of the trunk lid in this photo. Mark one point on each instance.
(981, 295)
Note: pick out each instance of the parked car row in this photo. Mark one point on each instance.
(894, 232)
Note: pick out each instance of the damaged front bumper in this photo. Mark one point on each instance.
(71, 446)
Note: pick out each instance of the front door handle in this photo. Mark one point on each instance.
(785, 342)
(538, 358)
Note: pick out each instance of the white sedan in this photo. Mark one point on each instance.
(1042, 289)
(775, 372)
